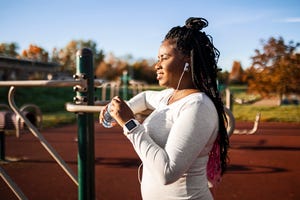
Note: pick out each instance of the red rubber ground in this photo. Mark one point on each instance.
(262, 166)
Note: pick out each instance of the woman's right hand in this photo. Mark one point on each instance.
(119, 110)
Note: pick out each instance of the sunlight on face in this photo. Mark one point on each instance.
(170, 65)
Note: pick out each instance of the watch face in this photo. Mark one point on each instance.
(130, 125)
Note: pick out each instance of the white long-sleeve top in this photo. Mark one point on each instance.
(173, 143)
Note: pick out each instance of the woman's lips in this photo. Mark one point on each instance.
(159, 75)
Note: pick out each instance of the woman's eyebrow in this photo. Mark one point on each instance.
(164, 54)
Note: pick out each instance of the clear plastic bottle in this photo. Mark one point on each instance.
(107, 118)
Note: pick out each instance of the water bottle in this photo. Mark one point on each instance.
(108, 119)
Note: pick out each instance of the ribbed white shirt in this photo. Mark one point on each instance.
(173, 143)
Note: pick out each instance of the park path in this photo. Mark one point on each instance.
(262, 166)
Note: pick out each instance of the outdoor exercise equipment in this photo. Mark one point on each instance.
(83, 84)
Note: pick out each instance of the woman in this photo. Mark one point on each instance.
(187, 126)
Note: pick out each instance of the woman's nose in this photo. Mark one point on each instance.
(158, 65)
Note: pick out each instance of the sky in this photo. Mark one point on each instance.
(137, 27)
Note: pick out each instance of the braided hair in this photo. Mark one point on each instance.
(193, 42)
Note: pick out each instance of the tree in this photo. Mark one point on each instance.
(9, 49)
(223, 78)
(143, 71)
(36, 53)
(275, 69)
(104, 71)
(111, 68)
(67, 55)
(236, 74)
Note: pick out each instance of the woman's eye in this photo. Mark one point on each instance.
(160, 59)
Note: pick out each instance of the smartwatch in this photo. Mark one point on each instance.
(130, 125)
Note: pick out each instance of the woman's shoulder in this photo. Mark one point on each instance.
(195, 97)
(160, 92)
(198, 99)
(166, 91)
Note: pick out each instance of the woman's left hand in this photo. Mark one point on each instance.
(120, 111)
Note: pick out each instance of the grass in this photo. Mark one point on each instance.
(247, 112)
(51, 101)
(290, 113)
(48, 99)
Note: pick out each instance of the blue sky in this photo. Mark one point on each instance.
(138, 27)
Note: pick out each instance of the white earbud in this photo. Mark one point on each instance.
(186, 67)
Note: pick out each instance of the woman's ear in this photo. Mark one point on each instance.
(187, 59)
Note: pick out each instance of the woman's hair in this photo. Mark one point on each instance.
(193, 42)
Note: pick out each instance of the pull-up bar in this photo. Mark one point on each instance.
(49, 83)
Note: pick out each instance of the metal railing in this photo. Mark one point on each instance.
(40, 137)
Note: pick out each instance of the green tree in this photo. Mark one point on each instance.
(223, 77)
(275, 69)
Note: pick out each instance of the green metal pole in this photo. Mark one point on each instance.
(125, 80)
(86, 149)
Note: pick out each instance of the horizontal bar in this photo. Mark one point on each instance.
(47, 83)
(83, 108)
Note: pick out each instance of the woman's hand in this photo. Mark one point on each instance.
(119, 110)
(101, 116)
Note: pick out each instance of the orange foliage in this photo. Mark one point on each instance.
(35, 53)
(276, 70)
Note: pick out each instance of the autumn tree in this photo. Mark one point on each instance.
(236, 74)
(9, 49)
(67, 56)
(275, 69)
(105, 71)
(111, 68)
(144, 71)
(36, 53)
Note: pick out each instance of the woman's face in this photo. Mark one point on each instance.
(170, 65)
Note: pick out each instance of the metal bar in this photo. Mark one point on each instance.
(48, 83)
(86, 151)
(43, 83)
(230, 120)
(40, 137)
(253, 130)
(16, 190)
(83, 108)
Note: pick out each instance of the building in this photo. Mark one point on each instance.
(22, 69)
